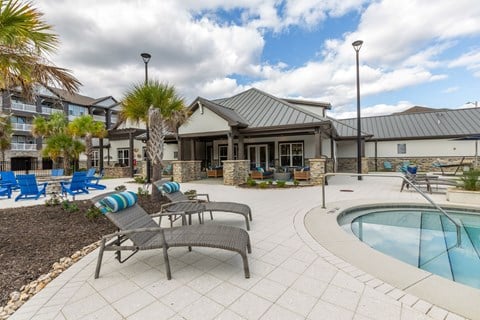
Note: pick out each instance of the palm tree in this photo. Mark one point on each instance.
(161, 109)
(6, 132)
(25, 42)
(85, 127)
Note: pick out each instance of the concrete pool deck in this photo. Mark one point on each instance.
(292, 275)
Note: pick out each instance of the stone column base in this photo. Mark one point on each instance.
(235, 172)
(364, 164)
(184, 171)
(317, 170)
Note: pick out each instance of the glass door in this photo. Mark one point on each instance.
(258, 156)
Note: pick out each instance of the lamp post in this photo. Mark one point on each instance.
(146, 58)
(356, 46)
(475, 103)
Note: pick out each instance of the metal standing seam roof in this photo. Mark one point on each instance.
(77, 99)
(451, 123)
(262, 110)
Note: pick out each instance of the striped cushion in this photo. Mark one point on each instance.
(102, 206)
(119, 201)
(171, 187)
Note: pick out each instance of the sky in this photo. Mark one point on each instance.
(415, 52)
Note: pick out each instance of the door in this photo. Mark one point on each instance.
(258, 156)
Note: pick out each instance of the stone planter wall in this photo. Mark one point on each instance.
(317, 170)
(460, 196)
(184, 171)
(117, 172)
(235, 172)
(350, 165)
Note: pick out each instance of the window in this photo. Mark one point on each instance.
(123, 158)
(96, 158)
(77, 110)
(16, 119)
(223, 152)
(401, 148)
(291, 154)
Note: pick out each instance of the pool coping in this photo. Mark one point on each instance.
(323, 227)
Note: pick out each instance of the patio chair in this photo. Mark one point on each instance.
(260, 173)
(57, 172)
(8, 178)
(29, 188)
(181, 202)
(137, 226)
(387, 166)
(302, 174)
(76, 185)
(168, 170)
(6, 190)
(92, 180)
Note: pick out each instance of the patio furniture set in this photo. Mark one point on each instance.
(137, 230)
(30, 187)
(302, 173)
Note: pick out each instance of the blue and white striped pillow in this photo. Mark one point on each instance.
(171, 187)
(117, 201)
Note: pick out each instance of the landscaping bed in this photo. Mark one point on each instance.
(33, 238)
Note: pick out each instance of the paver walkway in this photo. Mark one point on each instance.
(292, 276)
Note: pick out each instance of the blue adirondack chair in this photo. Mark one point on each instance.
(6, 190)
(92, 180)
(29, 188)
(8, 178)
(76, 186)
(57, 172)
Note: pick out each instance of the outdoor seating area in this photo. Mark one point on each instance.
(215, 172)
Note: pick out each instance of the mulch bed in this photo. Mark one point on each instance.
(33, 238)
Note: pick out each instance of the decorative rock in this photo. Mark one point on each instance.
(14, 296)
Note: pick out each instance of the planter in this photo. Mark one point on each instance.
(285, 176)
(463, 196)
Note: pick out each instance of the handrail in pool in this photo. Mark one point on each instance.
(457, 225)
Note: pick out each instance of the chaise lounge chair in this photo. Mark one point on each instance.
(29, 188)
(136, 225)
(181, 202)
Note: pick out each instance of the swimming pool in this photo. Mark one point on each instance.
(421, 237)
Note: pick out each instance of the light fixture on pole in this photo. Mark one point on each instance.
(475, 103)
(356, 46)
(146, 58)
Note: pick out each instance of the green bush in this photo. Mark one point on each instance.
(281, 183)
(470, 180)
(93, 213)
(270, 182)
(69, 206)
(263, 185)
(139, 179)
(191, 194)
(142, 192)
(296, 182)
(251, 182)
(54, 200)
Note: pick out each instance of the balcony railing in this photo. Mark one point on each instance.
(23, 106)
(48, 110)
(24, 146)
(99, 118)
(21, 127)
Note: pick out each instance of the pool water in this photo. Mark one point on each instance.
(425, 239)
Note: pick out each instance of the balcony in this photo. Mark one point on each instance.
(99, 118)
(22, 127)
(23, 106)
(24, 146)
(49, 111)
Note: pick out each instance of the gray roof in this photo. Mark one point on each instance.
(451, 123)
(261, 110)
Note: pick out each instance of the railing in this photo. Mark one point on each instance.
(21, 126)
(24, 146)
(48, 110)
(99, 118)
(457, 224)
(23, 106)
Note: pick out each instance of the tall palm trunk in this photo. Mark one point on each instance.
(89, 149)
(155, 145)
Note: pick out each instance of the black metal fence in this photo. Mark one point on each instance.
(28, 165)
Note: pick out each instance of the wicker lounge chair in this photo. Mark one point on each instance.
(136, 225)
(76, 185)
(29, 188)
(181, 202)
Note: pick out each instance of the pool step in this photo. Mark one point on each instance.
(433, 255)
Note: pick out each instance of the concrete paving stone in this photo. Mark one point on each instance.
(155, 310)
(225, 293)
(283, 276)
(204, 283)
(118, 291)
(310, 286)
(437, 313)
(180, 298)
(422, 306)
(229, 315)
(323, 310)
(202, 309)
(250, 306)
(343, 280)
(295, 265)
(279, 313)
(269, 289)
(80, 308)
(163, 287)
(341, 297)
(297, 301)
(408, 299)
(135, 301)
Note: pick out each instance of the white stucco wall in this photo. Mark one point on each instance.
(415, 148)
(201, 123)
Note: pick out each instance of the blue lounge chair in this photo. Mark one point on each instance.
(5, 190)
(29, 188)
(76, 186)
(57, 172)
(92, 180)
(8, 178)
(387, 166)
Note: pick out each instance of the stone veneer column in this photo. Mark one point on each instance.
(184, 171)
(364, 164)
(235, 172)
(317, 170)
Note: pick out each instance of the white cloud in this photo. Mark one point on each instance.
(451, 89)
(376, 110)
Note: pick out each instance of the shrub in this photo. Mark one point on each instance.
(142, 192)
(93, 213)
(296, 182)
(191, 194)
(263, 185)
(470, 180)
(281, 183)
(139, 179)
(54, 200)
(270, 182)
(69, 206)
(251, 182)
